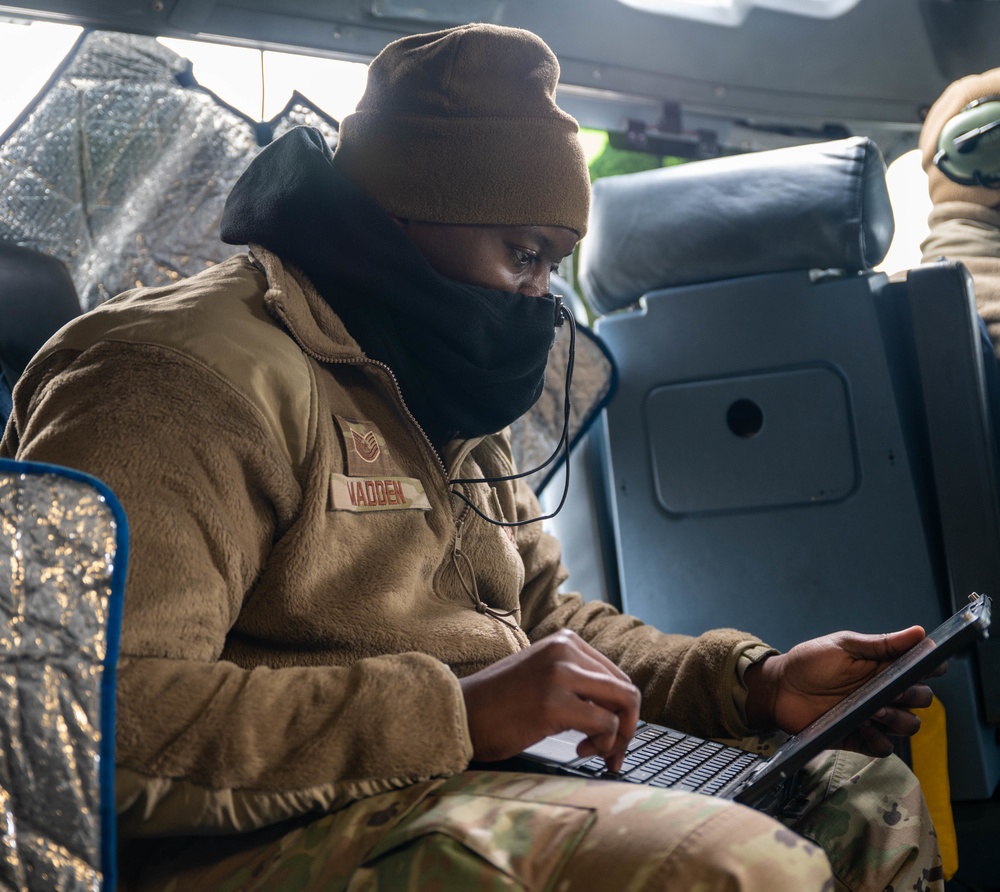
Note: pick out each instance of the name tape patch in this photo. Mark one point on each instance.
(377, 494)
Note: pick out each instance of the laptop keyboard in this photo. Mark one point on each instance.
(662, 757)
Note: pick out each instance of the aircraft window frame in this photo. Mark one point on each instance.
(258, 83)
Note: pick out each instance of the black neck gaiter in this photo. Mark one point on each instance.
(468, 360)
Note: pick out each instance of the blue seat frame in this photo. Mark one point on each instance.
(64, 547)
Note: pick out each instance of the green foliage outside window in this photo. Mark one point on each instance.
(609, 161)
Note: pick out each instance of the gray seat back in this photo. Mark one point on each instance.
(766, 460)
(37, 297)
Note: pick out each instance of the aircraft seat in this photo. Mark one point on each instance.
(798, 444)
(63, 555)
(37, 297)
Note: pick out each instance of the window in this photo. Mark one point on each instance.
(258, 84)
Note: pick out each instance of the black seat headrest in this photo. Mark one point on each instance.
(818, 206)
(37, 297)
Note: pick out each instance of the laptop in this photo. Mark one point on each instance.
(669, 759)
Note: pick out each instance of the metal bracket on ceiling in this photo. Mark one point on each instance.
(666, 137)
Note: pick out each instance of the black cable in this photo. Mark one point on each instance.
(562, 445)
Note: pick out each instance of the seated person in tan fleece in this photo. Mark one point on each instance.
(338, 594)
(960, 152)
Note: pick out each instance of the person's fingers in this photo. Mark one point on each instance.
(597, 705)
(613, 760)
(918, 696)
(582, 690)
(883, 648)
(606, 700)
(599, 724)
(610, 744)
(592, 683)
(873, 741)
(558, 684)
(571, 640)
(900, 722)
(592, 677)
(940, 669)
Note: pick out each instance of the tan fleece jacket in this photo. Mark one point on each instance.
(296, 614)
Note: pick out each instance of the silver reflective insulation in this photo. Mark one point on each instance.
(122, 167)
(57, 552)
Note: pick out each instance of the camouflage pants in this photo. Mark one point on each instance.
(865, 828)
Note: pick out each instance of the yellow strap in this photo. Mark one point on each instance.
(929, 751)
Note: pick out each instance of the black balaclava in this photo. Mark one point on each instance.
(469, 360)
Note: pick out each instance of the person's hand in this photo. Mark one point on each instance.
(788, 691)
(558, 684)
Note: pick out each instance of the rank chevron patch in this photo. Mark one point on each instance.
(366, 445)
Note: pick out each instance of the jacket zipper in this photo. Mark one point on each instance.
(457, 553)
(364, 360)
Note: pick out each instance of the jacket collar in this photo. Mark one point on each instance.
(293, 300)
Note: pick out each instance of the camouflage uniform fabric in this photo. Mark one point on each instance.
(861, 825)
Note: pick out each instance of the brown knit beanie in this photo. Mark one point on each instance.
(461, 126)
(955, 97)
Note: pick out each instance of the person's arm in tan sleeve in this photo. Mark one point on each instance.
(203, 745)
(686, 681)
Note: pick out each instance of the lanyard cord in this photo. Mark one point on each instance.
(562, 445)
